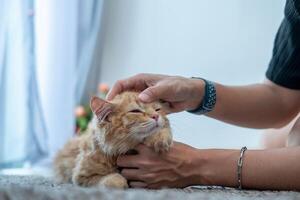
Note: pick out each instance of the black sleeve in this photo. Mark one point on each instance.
(284, 68)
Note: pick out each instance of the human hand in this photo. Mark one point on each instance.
(175, 169)
(181, 93)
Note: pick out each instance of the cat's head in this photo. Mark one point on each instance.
(125, 121)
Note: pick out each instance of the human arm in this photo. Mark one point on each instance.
(184, 166)
(264, 105)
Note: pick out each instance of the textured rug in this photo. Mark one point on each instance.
(37, 187)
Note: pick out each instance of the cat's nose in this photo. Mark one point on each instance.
(155, 117)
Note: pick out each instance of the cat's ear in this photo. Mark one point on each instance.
(100, 108)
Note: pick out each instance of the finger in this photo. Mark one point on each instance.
(164, 184)
(141, 148)
(159, 91)
(137, 184)
(116, 89)
(151, 94)
(156, 186)
(131, 174)
(136, 83)
(127, 161)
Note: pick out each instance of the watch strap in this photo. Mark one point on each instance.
(209, 98)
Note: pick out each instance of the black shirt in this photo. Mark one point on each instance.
(284, 68)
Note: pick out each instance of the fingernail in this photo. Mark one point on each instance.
(144, 97)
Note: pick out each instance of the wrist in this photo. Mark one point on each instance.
(217, 167)
(197, 93)
(188, 166)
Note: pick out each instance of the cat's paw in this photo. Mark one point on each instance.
(114, 181)
(160, 142)
(162, 146)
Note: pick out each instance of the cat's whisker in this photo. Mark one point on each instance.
(123, 139)
(145, 123)
(121, 148)
(120, 141)
(141, 123)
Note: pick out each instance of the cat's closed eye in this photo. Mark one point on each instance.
(157, 109)
(135, 111)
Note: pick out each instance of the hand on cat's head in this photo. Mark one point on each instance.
(181, 93)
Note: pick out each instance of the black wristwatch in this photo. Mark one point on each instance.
(209, 99)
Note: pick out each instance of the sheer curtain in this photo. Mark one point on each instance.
(67, 32)
(19, 100)
(46, 54)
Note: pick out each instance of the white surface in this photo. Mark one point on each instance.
(38, 171)
(225, 41)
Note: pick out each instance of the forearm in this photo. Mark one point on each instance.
(262, 169)
(256, 106)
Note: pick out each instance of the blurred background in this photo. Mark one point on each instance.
(54, 54)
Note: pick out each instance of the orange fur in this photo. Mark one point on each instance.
(90, 159)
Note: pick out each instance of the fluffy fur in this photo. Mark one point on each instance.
(118, 126)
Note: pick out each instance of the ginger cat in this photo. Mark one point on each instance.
(118, 126)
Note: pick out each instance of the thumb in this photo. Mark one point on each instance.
(151, 94)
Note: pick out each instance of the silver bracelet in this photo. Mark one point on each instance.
(239, 167)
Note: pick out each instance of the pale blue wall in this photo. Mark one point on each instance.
(225, 41)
